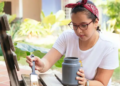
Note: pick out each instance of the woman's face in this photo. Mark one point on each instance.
(83, 26)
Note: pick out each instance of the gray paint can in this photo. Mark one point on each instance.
(70, 67)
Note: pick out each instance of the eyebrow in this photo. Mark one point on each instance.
(80, 23)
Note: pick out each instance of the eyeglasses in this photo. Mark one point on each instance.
(81, 26)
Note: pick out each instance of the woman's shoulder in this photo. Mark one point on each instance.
(107, 40)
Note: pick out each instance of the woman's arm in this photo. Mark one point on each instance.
(102, 77)
(50, 59)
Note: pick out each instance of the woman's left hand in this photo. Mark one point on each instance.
(81, 80)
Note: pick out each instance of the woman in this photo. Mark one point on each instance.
(97, 53)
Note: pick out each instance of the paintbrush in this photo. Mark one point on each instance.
(33, 76)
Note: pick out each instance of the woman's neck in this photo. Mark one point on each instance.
(85, 45)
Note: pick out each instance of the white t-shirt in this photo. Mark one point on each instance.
(104, 54)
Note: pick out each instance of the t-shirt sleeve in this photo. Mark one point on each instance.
(110, 60)
(60, 43)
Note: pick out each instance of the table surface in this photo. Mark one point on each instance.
(44, 79)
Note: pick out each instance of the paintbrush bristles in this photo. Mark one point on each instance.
(34, 80)
(34, 76)
(34, 84)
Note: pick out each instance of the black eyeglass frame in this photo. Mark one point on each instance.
(79, 26)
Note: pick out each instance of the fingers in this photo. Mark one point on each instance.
(29, 62)
(35, 58)
(81, 83)
(81, 70)
(81, 74)
(37, 68)
(29, 58)
(81, 79)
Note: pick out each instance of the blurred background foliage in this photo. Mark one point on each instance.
(22, 29)
(1, 7)
(48, 25)
(111, 9)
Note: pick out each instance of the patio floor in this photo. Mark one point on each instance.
(4, 78)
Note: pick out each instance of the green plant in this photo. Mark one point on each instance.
(1, 7)
(23, 50)
(10, 18)
(111, 8)
(26, 49)
(14, 28)
(35, 28)
(30, 27)
(1, 51)
(46, 26)
(55, 20)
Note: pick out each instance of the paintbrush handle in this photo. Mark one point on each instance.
(33, 66)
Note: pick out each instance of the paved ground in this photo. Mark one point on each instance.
(4, 79)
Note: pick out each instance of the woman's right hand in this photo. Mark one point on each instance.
(39, 65)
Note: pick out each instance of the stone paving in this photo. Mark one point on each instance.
(4, 78)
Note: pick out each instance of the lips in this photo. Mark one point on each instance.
(81, 35)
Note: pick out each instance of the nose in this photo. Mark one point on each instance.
(79, 30)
